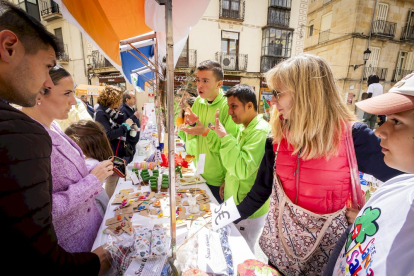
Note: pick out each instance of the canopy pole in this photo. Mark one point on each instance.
(146, 65)
(139, 52)
(170, 123)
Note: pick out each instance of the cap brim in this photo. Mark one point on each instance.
(388, 103)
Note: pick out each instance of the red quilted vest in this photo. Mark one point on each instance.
(323, 185)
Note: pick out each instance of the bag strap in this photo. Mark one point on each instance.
(356, 193)
(117, 147)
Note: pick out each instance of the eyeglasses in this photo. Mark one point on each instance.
(277, 94)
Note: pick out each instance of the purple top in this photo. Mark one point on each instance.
(75, 215)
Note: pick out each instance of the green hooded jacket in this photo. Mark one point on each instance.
(214, 172)
(241, 156)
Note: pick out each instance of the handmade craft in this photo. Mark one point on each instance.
(158, 241)
(255, 268)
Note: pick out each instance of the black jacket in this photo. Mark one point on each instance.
(29, 242)
(369, 157)
(129, 114)
(113, 134)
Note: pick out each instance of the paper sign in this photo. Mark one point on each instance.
(224, 214)
(200, 164)
(134, 178)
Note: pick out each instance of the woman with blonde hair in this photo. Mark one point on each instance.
(310, 167)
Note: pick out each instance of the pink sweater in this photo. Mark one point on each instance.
(75, 215)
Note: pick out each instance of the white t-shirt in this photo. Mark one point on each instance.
(381, 241)
(376, 89)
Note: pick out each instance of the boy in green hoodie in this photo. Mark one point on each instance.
(209, 80)
(241, 155)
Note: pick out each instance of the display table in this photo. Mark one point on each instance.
(238, 245)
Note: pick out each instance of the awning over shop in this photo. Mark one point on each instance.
(111, 25)
(84, 89)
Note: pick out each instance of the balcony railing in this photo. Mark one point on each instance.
(232, 62)
(232, 9)
(99, 61)
(51, 13)
(324, 36)
(400, 73)
(278, 18)
(267, 63)
(380, 72)
(187, 60)
(64, 56)
(284, 4)
(384, 28)
(407, 33)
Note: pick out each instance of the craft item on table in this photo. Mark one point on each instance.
(145, 165)
(160, 195)
(144, 213)
(255, 268)
(142, 242)
(194, 272)
(116, 219)
(189, 158)
(135, 204)
(204, 207)
(226, 249)
(124, 211)
(179, 163)
(158, 241)
(121, 252)
(204, 201)
(202, 196)
(177, 199)
(191, 217)
(134, 195)
(127, 191)
(192, 201)
(153, 212)
(128, 229)
(185, 203)
(157, 203)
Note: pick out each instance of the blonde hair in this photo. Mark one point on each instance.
(111, 96)
(318, 115)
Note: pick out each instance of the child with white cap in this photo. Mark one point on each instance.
(381, 240)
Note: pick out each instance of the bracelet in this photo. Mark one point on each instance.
(205, 133)
(127, 126)
(193, 125)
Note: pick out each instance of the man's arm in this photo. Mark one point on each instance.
(262, 188)
(244, 161)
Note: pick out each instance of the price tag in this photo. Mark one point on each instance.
(134, 178)
(224, 214)
(200, 164)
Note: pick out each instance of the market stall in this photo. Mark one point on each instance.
(188, 222)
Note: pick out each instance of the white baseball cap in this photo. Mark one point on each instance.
(398, 99)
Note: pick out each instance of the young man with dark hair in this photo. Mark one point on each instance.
(27, 53)
(209, 81)
(241, 155)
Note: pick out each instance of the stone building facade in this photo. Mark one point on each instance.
(341, 30)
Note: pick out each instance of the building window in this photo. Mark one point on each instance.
(31, 7)
(276, 42)
(311, 24)
(229, 42)
(233, 9)
(278, 17)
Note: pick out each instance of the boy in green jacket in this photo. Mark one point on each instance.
(209, 80)
(241, 155)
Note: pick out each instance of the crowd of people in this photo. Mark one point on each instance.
(294, 180)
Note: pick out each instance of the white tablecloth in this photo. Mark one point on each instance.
(238, 245)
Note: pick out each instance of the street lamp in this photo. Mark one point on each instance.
(367, 53)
